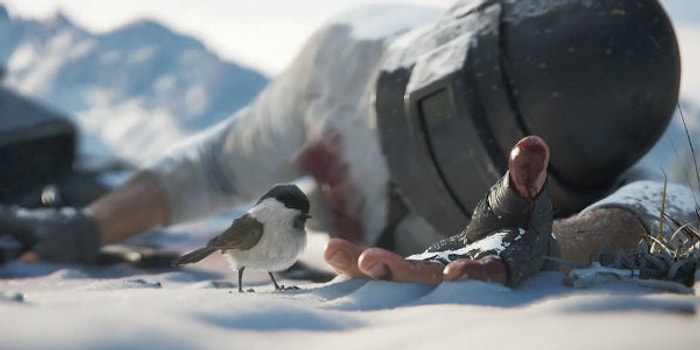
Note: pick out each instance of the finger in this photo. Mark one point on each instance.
(486, 269)
(30, 258)
(343, 256)
(527, 164)
(384, 265)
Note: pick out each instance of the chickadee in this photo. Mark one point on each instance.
(270, 236)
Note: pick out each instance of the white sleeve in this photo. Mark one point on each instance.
(240, 158)
(646, 199)
(199, 178)
(235, 161)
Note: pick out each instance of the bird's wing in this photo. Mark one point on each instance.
(243, 234)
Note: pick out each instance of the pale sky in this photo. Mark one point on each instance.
(262, 34)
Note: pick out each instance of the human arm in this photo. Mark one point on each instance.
(195, 179)
(613, 225)
(137, 206)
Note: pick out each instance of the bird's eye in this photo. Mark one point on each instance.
(299, 222)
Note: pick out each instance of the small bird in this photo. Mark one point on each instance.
(269, 237)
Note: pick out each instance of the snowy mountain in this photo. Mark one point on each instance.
(133, 91)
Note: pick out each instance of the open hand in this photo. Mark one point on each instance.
(527, 172)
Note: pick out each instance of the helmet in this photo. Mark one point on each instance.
(597, 79)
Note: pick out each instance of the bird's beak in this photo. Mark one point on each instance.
(305, 216)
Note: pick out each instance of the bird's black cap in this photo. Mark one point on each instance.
(290, 195)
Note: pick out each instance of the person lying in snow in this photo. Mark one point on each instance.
(404, 128)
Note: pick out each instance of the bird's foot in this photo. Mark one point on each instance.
(283, 288)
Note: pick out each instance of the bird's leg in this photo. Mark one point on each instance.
(277, 287)
(280, 287)
(240, 280)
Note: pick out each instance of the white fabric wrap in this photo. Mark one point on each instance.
(645, 198)
(327, 87)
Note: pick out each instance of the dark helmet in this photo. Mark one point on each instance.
(597, 79)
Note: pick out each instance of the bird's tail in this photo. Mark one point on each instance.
(194, 256)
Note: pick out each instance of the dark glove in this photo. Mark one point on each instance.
(504, 225)
(66, 235)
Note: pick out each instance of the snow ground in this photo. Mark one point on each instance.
(198, 307)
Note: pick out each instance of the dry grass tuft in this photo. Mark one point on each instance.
(678, 254)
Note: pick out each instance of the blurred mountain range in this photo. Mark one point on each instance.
(132, 91)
